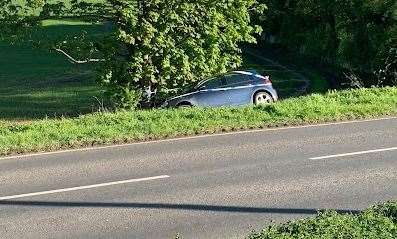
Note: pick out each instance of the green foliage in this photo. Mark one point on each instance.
(378, 222)
(124, 97)
(352, 35)
(150, 45)
(15, 15)
(131, 126)
(168, 44)
(388, 74)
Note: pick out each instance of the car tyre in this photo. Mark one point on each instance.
(263, 98)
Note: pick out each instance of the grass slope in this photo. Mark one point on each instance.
(378, 222)
(122, 127)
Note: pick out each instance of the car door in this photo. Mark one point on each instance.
(212, 93)
(238, 88)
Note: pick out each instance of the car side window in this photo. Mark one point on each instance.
(234, 80)
(213, 84)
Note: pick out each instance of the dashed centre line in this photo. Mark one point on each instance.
(354, 153)
(83, 187)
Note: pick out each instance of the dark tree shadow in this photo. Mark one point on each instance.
(292, 75)
(168, 206)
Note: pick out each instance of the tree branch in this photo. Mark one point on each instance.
(74, 61)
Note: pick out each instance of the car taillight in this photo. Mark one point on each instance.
(266, 79)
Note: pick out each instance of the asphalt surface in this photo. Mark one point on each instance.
(210, 187)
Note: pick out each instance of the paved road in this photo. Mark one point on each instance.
(205, 187)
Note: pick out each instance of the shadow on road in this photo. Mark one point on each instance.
(188, 207)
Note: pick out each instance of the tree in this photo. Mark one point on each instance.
(350, 35)
(158, 44)
(16, 15)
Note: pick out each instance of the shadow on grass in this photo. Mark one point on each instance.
(167, 206)
(47, 101)
(289, 74)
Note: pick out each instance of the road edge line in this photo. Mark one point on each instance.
(195, 137)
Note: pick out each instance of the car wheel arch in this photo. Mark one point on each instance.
(184, 104)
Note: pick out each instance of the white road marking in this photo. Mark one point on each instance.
(355, 153)
(194, 137)
(82, 187)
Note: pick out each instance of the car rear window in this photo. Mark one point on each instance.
(238, 80)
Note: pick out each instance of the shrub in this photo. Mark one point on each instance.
(124, 97)
(376, 222)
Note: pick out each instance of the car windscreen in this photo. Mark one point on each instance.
(191, 87)
(213, 83)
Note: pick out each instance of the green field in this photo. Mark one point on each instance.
(37, 83)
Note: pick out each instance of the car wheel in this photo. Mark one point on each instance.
(263, 98)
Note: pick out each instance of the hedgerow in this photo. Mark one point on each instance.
(377, 222)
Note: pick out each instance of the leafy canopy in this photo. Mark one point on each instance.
(153, 44)
(352, 35)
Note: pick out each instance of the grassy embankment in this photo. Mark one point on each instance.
(378, 222)
(140, 125)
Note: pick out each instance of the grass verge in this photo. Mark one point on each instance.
(132, 126)
(376, 222)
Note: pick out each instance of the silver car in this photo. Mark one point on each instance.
(233, 89)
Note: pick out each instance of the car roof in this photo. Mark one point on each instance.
(242, 72)
(246, 72)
